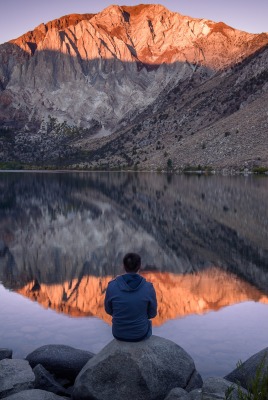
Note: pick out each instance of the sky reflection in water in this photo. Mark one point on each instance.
(216, 340)
(203, 241)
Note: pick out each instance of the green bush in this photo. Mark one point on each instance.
(260, 170)
(6, 134)
(258, 387)
(169, 163)
(11, 165)
(197, 168)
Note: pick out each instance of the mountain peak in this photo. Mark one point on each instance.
(40, 31)
(136, 10)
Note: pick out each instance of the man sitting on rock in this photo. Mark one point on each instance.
(131, 301)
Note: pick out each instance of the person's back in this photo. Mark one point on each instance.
(131, 301)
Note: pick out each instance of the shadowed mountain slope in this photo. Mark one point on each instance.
(222, 122)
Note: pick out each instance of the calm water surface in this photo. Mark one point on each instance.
(203, 242)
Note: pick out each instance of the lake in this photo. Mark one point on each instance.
(203, 241)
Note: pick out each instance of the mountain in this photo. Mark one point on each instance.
(134, 87)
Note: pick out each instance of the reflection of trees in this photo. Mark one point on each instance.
(64, 226)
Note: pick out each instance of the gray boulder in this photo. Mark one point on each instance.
(220, 389)
(5, 353)
(246, 372)
(142, 370)
(45, 381)
(63, 361)
(178, 394)
(34, 394)
(181, 394)
(195, 382)
(15, 375)
(196, 394)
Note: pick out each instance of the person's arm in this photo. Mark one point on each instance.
(107, 302)
(152, 306)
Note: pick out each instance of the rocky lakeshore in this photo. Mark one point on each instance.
(155, 369)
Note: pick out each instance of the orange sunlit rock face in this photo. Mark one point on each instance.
(177, 295)
(150, 34)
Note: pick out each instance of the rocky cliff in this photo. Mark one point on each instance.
(76, 91)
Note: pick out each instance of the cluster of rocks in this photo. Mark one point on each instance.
(155, 369)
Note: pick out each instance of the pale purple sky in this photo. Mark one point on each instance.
(19, 16)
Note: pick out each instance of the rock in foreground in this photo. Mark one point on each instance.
(34, 394)
(246, 372)
(221, 389)
(144, 370)
(15, 376)
(45, 381)
(63, 361)
(5, 353)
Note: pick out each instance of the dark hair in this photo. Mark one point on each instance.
(132, 262)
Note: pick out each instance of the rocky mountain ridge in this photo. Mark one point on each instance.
(85, 90)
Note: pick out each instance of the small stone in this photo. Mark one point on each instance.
(45, 381)
(5, 353)
(218, 388)
(177, 394)
(15, 376)
(35, 394)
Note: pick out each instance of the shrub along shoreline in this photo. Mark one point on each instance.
(14, 166)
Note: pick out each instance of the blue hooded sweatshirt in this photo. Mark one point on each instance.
(131, 301)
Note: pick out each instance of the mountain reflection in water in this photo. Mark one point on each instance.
(203, 241)
(178, 295)
(58, 227)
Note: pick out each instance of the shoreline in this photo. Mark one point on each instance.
(57, 372)
(223, 172)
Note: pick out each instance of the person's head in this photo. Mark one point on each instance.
(132, 262)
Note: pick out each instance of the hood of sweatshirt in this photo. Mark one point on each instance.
(130, 282)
